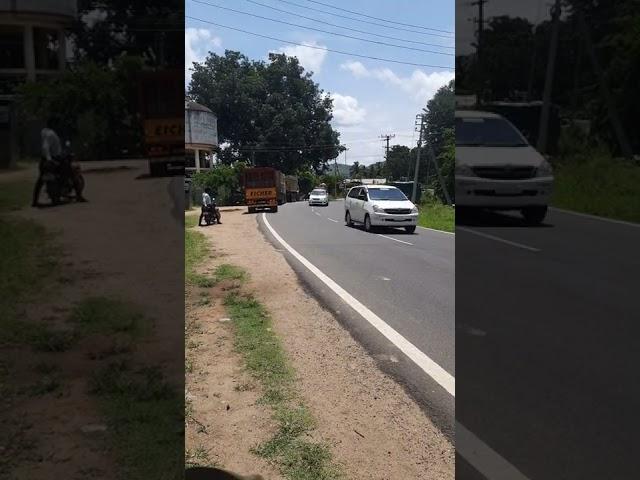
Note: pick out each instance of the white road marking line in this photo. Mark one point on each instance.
(483, 458)
(595, 217)
(431, 368)
(395, 239)
(332, 220)
(317, 214)
(439, 231)
(498, 239)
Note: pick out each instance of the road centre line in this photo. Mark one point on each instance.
(498, 239)
(395, 239)
(332, 220)
(483, 458)
(431, 368)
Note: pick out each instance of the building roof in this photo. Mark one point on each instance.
(191, 105)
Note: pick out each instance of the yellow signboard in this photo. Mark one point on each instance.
(260, 193)
(164, 130)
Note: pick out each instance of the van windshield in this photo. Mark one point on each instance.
(318, 192)
(487, 132)
(392, 194)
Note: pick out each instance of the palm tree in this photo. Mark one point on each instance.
(355, 170)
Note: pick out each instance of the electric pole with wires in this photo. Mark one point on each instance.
(420, 119)
(387, 137)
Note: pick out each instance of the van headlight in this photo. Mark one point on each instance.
(464, 170)
(378, 209)
(544, 169)
(414, 210)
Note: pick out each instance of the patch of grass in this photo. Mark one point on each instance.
(296, 457)
(195, 251)
(108, 316)
(202, 281)
(434, 214)
(145, 416)
(197, 457)
(596, 184)
(229, 272)
(47, 384)
(28, 259)
(15, 195)
(190, 221)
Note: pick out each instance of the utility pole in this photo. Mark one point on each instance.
(618, 128)
(420, 119)
(387, 138)
(479, 46)
(543, 129)
(420, 125)
(335, 170)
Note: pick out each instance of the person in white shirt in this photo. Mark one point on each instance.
(208, 202)
(51, 151)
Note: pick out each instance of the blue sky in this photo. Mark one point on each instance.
(370, 97)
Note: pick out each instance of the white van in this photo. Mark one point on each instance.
(496, 168)
(380, 206)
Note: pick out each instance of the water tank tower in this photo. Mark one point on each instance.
(200, 131)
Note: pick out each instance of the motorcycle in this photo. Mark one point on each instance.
(60, 175)
(212, 214)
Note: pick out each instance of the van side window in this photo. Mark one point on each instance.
(354, 192)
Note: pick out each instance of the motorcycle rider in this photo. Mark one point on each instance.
(208, 204)
(52, 154)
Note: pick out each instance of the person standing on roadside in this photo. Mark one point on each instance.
(51, 157)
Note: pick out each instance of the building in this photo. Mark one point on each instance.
(200, 136)
(32, 47)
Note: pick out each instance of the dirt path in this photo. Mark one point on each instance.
(375, 429)
(110, 247)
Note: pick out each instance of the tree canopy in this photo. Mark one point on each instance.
(269, 113)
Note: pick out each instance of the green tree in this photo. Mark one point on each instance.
(271, 114)
(356, 170)
(446, 162)
(440, 116)
(91, 105)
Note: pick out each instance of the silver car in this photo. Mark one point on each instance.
(319, 196)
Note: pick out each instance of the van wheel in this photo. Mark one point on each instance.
(410, 229)
(347, 220)
(534, 215)
(367, 223)
(274, 209)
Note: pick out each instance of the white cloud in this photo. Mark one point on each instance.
(311, 59)
(197, 43)
(346, 110)
(422, 86)
(357, 69)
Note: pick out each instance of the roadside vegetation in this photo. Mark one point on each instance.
(290, 449)
(436, 215)
(594, 183)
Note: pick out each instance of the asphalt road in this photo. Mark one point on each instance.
(408, 280)
(547, 348)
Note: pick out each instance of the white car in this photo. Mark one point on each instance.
(380, 206)
(497, 169)
(319, 196)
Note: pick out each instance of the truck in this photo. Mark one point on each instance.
(293, 188)
(161, 107)
(264, 188)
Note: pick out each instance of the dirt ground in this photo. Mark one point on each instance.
(376, 431)
(110, 247)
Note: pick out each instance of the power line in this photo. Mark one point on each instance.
(416, 42)
(377, 18)
(319, 48)
(323, 31)
(365, 21)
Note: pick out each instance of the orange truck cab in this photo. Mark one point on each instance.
(264, 188)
